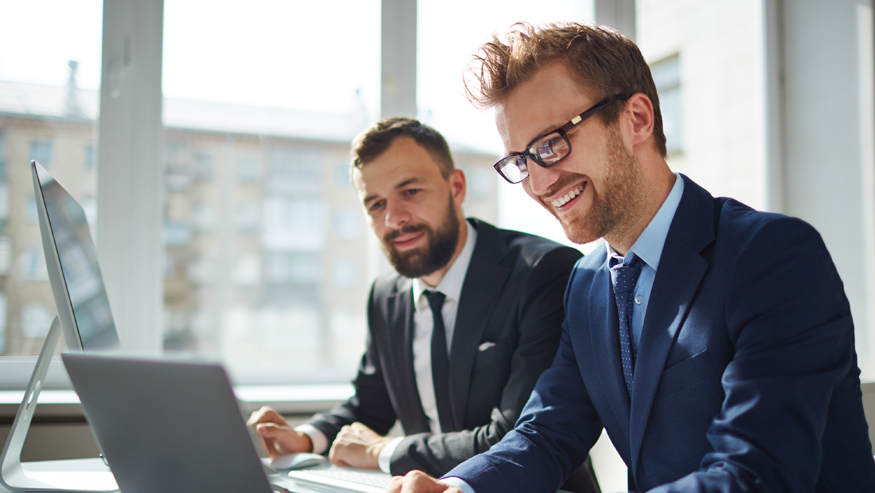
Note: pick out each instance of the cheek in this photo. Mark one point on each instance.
(528, 189)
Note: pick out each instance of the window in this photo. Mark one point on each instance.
(30, 212)
(4, 204)
(342, 177)
(5, 259)
(292, 222)
(247, 271)
(90, 157)
(2, 157)
(36, 319)
(306, 111)
(667, 77)
(203, 166)
(248, 168)
(41, 152)
(347, 223)
(294, 167)
(204, 217)
(344, 273)
(50, 109)
(248, 215)
(251, 165)
(32, 265)
(293, 268)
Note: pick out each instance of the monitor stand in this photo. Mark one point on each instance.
(80, 475)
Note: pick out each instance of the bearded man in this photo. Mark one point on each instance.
(456, 339)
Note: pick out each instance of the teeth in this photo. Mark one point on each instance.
(568, 196)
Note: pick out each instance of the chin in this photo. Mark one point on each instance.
(578, 233)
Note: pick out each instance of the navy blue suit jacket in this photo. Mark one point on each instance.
(746, 377)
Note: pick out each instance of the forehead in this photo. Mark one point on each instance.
(404, 161)
(543, 103)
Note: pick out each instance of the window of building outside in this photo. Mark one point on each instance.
(257, 131)
(48, 112)
(667, 78)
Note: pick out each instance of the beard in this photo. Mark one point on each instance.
(435, 255)
(614, 204)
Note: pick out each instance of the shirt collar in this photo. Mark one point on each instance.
(451, 284)
(648, 247)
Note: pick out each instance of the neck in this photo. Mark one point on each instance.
(659, 186)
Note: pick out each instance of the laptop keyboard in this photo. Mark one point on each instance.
(367, 478)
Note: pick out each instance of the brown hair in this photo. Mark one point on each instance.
(374, 141)
(600, 58)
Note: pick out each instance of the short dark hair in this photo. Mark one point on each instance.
(599, 57)
(374, 141)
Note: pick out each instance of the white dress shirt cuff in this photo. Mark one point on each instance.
(458, 483)
(320, 441)
(386, 455)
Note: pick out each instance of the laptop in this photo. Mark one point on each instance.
(176, 427)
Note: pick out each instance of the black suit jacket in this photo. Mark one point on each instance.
(507, 332)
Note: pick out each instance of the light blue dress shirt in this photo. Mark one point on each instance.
(648, 247)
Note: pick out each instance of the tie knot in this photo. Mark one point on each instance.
(435, 300)
(624, 276)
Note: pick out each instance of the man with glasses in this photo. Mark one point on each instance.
(457, 338)
(712, 342)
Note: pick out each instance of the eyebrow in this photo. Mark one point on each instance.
(549, 129)
(403, 184)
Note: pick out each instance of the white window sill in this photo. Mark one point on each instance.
(287, 399)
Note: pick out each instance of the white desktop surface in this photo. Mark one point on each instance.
(83, 466)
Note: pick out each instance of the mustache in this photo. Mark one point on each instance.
(413, 228)
(561, 184)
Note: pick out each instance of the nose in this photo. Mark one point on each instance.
(396, 215)
(540, 178)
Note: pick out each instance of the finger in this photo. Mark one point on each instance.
(266, 415)
(418, 481)
(395, 484)
(335, 455)
(270, 430)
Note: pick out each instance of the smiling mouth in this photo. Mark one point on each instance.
(407, 240)
(567, 197)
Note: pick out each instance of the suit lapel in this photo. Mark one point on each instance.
(400, 306)
(680, 271)
(480, 293)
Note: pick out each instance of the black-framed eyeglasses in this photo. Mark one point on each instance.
(550, 148)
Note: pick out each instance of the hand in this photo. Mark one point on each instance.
(276, 435)
(358, 446)
(419, 482)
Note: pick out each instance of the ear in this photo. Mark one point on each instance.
(458, 186)
(639, 119)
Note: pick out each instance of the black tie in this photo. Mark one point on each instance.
(624, 277)
(440, 364)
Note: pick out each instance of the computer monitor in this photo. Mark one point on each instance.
(85, 319)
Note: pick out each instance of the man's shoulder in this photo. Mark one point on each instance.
(527, 246)
(737, 221)
(390, 284)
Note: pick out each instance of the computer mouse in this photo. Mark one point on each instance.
(298, 461)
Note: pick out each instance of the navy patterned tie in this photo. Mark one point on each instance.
(624, 277)
(440, 361)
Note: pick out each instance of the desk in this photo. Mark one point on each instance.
(82, 472)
